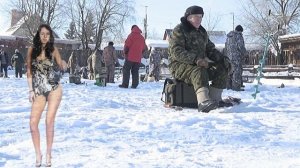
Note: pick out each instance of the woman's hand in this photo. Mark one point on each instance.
(31, 96)
(64, 65)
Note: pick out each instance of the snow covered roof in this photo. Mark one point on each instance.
(67, 41)
(157, 43)
(289, 38)
(15, 29)
(104, 44)
(7, 37)
(217, 37)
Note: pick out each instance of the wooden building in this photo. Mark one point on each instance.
(290, 46)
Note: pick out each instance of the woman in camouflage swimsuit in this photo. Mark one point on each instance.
(43, 73)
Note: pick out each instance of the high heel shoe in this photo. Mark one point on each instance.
(38, 163)
(48, 160)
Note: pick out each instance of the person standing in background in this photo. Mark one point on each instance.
(73, 64)
(155, 59)
(90, 68)
(17, 61)
(110, 60)
(4, 63)
(236, 52)
(97, 63)
(133, 51)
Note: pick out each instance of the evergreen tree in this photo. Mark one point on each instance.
(90, 27)
(71, 32)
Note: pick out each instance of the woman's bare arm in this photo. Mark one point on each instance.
(29, 69)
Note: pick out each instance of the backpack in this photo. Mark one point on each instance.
(178, 93)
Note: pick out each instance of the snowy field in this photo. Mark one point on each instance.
(113, 127)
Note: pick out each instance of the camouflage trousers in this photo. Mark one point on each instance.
(235, 80)
(155, 71)
(200, 76)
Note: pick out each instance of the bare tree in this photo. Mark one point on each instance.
(210, 22)
(273, 17)
(38, 11)
(109, 18)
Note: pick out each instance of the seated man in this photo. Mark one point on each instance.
(195, 60)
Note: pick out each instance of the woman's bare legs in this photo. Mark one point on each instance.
(37, 108)
(54, 99)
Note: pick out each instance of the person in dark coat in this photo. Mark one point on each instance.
(4, 63)
(236, 51)
(17, 61)
(133, 50)
(195, 60)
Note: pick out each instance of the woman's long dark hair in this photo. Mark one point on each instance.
(37, 44)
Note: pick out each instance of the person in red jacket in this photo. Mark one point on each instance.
(133, 50)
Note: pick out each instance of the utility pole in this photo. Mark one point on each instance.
(145, 22)
(232, 20)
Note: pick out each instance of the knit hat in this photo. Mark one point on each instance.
(193, 10)
(239, 28)
(110, 43)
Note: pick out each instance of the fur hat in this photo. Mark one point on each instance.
(193, 10)
(239, 28)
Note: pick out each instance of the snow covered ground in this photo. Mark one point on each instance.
(114, 127)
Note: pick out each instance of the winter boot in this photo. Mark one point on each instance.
(204, 102)
(216, 94)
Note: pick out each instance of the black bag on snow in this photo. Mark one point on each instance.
(178, 93)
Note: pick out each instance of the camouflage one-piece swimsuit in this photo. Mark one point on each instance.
(42, 77)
